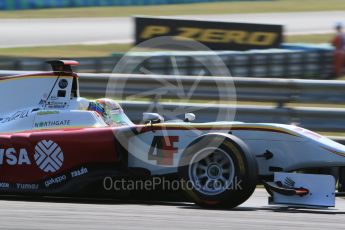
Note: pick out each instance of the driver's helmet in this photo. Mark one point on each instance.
(109, 109)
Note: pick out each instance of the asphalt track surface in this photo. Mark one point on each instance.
(254, 214)
(38, 32)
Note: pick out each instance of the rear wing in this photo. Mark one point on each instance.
(63, 65)
(51, 90)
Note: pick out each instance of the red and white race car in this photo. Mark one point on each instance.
(54, 142)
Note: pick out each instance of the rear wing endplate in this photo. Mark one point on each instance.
(63, 65)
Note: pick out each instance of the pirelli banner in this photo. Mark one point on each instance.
(215, 35)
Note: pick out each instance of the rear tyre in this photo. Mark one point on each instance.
(219, 171)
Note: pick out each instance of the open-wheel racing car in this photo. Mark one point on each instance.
(54, 142)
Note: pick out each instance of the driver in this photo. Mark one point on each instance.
(110, 111)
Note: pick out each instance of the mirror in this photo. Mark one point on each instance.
(188, 117)
(152, 117)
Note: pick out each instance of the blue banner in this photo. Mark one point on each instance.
(41, 4)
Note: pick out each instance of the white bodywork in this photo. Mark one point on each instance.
(42, 101)
(321, 193)
(23, 92)
(296, 148)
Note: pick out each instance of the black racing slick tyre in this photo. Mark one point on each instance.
(218, 171)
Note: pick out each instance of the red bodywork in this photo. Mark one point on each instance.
(80, 147)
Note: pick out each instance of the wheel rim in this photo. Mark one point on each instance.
(211, 171)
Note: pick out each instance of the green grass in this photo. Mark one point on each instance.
(184, 9)
(106, 50)
(66, 50)
(332, 134)
(312, 38)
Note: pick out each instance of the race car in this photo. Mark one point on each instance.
(54, 142)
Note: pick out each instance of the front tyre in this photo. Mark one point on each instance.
(219, 171)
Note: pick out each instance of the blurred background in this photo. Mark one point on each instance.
(97, 31)
(310, 47)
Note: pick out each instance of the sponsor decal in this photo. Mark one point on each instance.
(11, 157)
(56, 180)
(15, 116)
(215, 35)
(27, 186)
(56, 105)
(43, 124)
(50, 112)
(4, 185)
(48, 156)
(63, 83)
(288, 182)
(162, 149)
(79, 172)
(54, 98)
